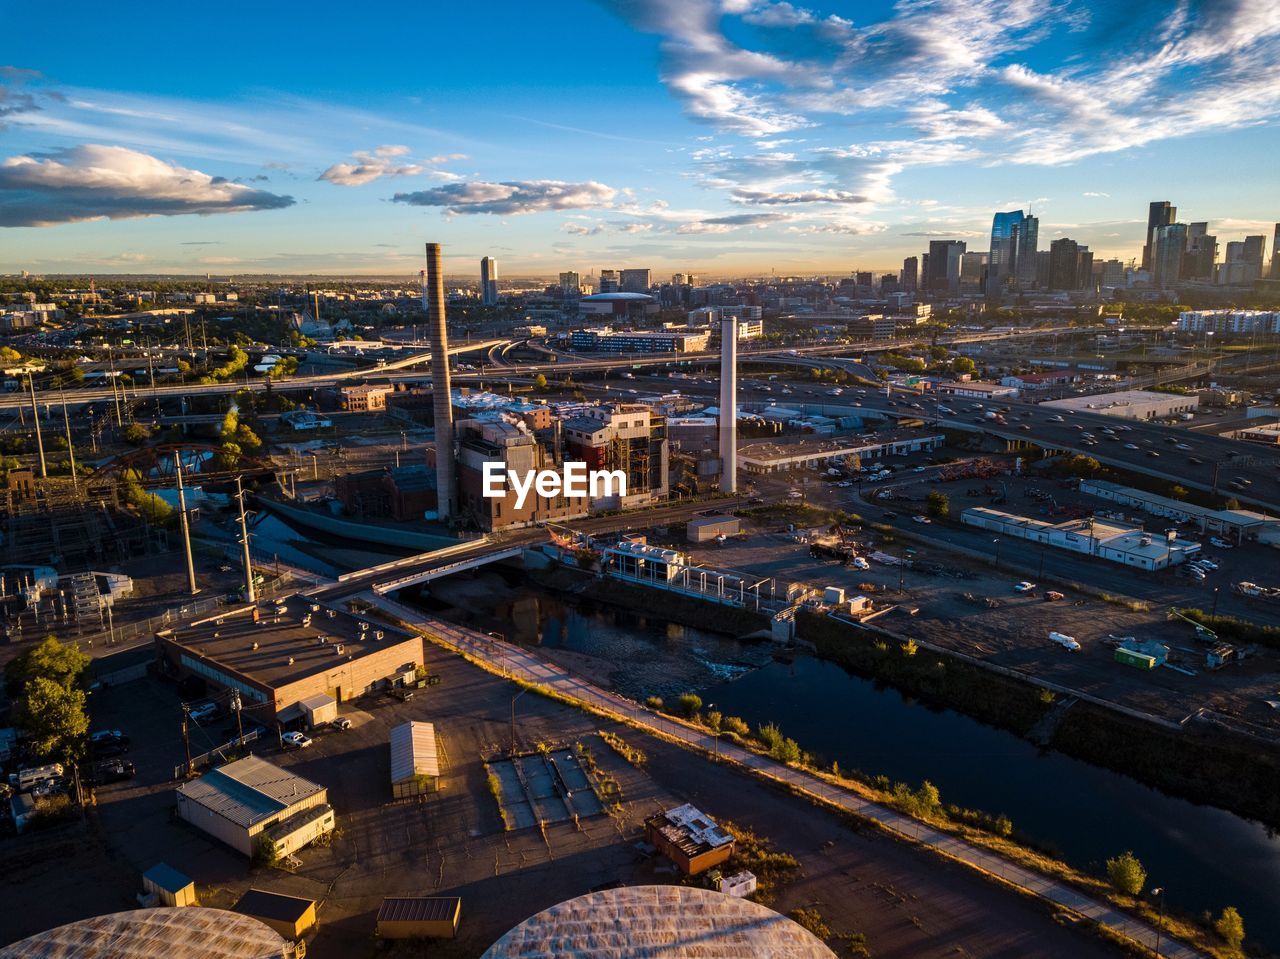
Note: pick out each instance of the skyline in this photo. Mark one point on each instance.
(718, 138)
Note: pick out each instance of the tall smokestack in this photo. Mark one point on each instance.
(729, 404)
(442, 394)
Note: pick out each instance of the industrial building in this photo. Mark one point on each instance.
(976, 390)
(775, 455)
(639, 341)
(250, 803)
(399, 493)
(701, 529)
(163, 933)
(419, 917)
(278, 653)
(1236, 524)
(415, 760)
(675, 922)
(291, 916)
(365, 398)
(626, 436)
(689, 838)
(1127, 545)
(1129, 404)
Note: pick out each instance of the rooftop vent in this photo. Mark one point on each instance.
(290, 660)
(255, 646)
(338, 649)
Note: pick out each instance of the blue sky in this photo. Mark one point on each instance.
(723, 137)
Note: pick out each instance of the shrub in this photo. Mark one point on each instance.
(655, 702)
(1230, 926)
(736, 725)
(812, 920)
(1127, 873)
(690, 704)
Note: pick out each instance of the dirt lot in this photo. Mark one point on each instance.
(453, 842)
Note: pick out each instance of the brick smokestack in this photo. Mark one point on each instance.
(442, 393)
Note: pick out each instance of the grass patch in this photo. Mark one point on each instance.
(773, 868)
(495, 790)
(624, 749)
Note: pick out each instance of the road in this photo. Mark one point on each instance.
(523, 664)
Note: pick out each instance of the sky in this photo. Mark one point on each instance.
(720, 137)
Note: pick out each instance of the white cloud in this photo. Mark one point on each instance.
(513, 197)
(381, 162)
(91, 182)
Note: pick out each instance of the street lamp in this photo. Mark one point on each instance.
(1214, 611)
(513, 717)
(997, 545)
(1159, 891)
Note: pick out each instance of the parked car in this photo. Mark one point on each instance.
(860, 563)
(1023, 587)
(203, 712)
(295, 740)
(111, 771)
(920, 518)
(919, 469)
(401, 693)
(342, 724)
(1205, 562)
(1219, 542)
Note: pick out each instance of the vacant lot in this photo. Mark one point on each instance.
(453, 842)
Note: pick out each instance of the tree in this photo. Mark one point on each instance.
(1230, 926)
(1126, 873)
(1177, 492)
(135, 434)
(690, 704)
(62, 663)
(539, 382)
(962, 365)
(938, 504)
(54, 716)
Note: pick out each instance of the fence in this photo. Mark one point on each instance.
(184, 770)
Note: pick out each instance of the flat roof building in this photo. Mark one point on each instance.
(251, 802)
(1129, 404)
(278, 653)
(775, 455)
(291, 916)
(1127, 545)
(1239, 524)
(976, 390)
(689, 838)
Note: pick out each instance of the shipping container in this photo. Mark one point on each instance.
(1138, 660)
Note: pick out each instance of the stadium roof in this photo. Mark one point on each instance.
(612, 297)
(192, 932)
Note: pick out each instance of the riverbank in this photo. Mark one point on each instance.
(1219, 768)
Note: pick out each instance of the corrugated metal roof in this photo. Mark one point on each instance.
(413, 751)
(248, 790)
(419, 909)
(192, 932)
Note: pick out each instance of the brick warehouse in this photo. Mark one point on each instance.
(279, 653)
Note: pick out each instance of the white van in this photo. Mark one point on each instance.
(24, 779)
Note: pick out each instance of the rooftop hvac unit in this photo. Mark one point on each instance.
(315, 607)
(322, 639)
(338, 649)
(290, 660)
(364, 627)
(379, 634)
(332, 613)
(218, 621)
(281, 610)
(254, 646)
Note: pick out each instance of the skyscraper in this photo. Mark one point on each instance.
(570, 283)
(1011, 262)
(1202, 251)
(1167, 249)
(973, 271)
(945, 257)
(1275, 255)
(1160, 213)
(911, 271)
(635, 281)
(489, 281)
(1070, 265)
(608, 281)
(1255, 251)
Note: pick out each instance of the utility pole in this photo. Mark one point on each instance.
(186, 739)
(111, 361)
(235, 705)
(186, 525)
(71, 450)
(250, 594)
(35, 415)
